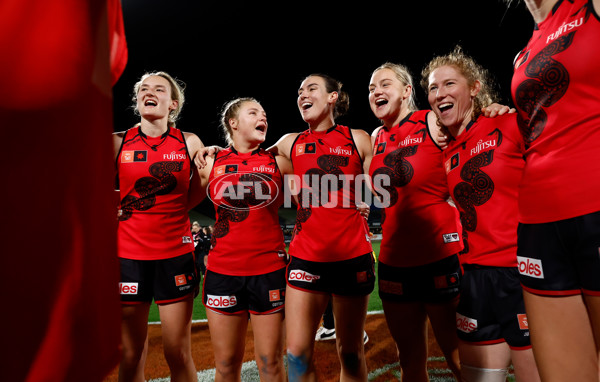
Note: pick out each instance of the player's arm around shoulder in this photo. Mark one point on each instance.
(193, 142)
(365, 148)
(374, 136)
(117, 142)
(283, 146)
(284, 164)
(199, 178)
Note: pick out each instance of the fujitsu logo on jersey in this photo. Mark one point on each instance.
(220, 301)
(465, 324)
(408, 141)
(174, 156)
(340, 151)
(565, 27)
(481, 145)
(530, 267)
(300, 275)
(128, 288)
(263, 168)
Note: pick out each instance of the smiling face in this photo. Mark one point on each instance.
(250, 125)
(153, 98)
(451, 97)
(314, 101)
(387, 96)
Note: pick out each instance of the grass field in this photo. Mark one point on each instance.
(437, 369)
(200, 313)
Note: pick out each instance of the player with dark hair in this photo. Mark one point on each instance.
(331, 253)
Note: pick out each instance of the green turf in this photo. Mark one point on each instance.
(200, 313)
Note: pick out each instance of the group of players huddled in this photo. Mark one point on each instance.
(490, 231)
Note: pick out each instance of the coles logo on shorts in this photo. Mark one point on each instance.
(300, 275)
(530, 267)
(128, 288)
(220, 301)
(465, 324)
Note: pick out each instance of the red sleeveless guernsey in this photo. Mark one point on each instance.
(419, 225)
(555, 87)
(247, 191)
(484, 167)
(154, 178)
(328, 226)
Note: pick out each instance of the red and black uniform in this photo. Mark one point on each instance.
(78, 270)
(247, 191)
(328, 230)
(484, 167)
(555, 89)
(331, 249)
(154, 178)
(246, 265)
(419, 225)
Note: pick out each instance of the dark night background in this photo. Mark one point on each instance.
(222, 50)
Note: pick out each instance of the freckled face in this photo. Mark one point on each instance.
(451, 97)
(251, 123)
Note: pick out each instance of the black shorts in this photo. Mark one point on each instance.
(260, 294)
(491, 308)
(437, 282)
(165, 281)
(354, 277)
(561, 258)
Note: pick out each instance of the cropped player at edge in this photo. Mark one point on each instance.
(245, 275)
(555, 88)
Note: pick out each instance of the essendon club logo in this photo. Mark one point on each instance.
(180, 280)
(134, 156)
(380, 149)
(306, 148)
(275, 295)
(446, 281)
(523, 324)
(452, 163)
(391, 287)
(226, 169)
